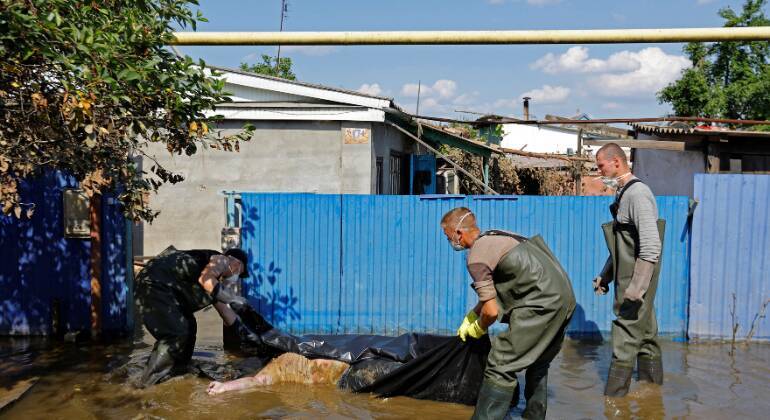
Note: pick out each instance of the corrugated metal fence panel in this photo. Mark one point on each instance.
(116, 278)
(41, 270)
(571, 226)
(293, 241)
(399, 274)
(730, 254)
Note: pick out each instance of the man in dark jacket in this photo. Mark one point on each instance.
(519, 281)
(170, 289)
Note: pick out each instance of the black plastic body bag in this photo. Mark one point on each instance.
(424, 366)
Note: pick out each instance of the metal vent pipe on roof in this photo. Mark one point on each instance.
(526, 107)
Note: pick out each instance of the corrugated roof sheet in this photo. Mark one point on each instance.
(663, 130)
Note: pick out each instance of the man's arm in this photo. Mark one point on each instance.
(216, 268)
(644, 215)
(484, 286)
(227, 314)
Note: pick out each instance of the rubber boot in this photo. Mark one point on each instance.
(650, 369)
(618, 380)
(536, 394)
(494, 401)
(159, 365)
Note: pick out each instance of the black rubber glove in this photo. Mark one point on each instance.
(222, 294)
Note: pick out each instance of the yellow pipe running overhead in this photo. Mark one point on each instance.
(593, 36)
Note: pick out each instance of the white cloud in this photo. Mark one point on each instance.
(466, 98)
(655, 70)
(702, 2)
(445, 88)
(373, 89)
(495, 1)
(310, 50)
(442, 88)
(429, 103)
(548, 94)
(576, 60)
(410, 90)
(624, 73)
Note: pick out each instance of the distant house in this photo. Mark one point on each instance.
(558, 139)
(309, 139)
(693, 150)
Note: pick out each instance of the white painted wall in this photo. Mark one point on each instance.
(538, 139)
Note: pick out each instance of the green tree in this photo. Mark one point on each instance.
(728, 79)
(272, 66)
(84, 85)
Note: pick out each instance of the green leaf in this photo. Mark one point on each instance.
(128, 75)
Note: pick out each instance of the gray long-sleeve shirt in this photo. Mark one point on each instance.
(638, 206)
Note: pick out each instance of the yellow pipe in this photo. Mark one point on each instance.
(593, 36)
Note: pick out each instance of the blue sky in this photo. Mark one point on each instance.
(601, 80)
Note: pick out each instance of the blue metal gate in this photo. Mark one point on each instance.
(730, 256)
(42, 272)
(380, 264)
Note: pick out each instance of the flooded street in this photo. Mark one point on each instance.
(70, 381)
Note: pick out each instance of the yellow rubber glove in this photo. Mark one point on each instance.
(469, 319)
(475, 330)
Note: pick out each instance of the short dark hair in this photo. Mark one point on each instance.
(611, 151)
(241, 256)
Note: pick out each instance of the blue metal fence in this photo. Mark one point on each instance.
(380, 264)
(41, 270)
(731, 255)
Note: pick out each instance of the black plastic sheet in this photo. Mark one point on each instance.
(424, 366)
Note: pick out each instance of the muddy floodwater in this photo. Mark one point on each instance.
(70, 381)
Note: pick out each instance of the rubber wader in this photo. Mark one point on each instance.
(535, 298)
(635, 329)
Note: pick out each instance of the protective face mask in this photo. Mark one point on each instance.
(613, 182)
(456, 245)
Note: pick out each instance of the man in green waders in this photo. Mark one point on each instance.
(634, 239)
(174, 285)
(519, 281)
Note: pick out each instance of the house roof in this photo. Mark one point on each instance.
(261, 81)
(440, 135)
(338, 104)
(662, 130)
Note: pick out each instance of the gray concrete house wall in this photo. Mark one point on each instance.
(282, 156)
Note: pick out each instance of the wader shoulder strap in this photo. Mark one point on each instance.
(496, 232)
(615, 206)
(626, 187)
